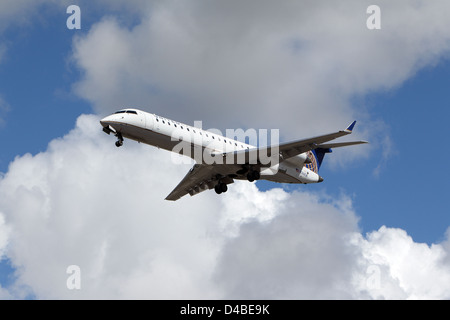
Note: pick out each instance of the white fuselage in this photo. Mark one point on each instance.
(166, 134)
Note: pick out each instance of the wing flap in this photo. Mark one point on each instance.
(201, 177)
(195, 180)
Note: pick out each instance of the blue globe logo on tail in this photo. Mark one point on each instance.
(316, 157)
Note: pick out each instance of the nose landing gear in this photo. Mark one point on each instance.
(119, 141)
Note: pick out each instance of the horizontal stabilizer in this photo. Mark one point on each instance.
(340, 144)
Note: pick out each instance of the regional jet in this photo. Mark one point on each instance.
(220, 160)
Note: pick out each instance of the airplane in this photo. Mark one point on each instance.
(223, 160)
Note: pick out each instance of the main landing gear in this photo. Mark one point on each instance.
(119, 141)
(253, 175)
(221, 188)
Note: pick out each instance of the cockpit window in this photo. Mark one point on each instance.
(126, 111)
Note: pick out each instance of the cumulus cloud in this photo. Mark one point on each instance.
(4, 234)
(406, 269)
(303, 252)
(74, 211)
(85, 202)
(313, 250)
(291, 65)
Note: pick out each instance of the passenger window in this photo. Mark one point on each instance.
(187, 129)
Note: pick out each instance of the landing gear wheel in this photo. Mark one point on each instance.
(221, 188)
(119, 141)
(253, 175)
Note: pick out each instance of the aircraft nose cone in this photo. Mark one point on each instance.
(106, 124)
(105, 121)
(320, 179)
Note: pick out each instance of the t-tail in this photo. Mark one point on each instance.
(318, 154)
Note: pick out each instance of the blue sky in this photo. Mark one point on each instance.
(414, 182)
(39, 82)
(47, 107)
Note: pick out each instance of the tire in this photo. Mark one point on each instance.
(223, 187)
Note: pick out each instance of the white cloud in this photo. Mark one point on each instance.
(304, 252)
(74, 210)
(295, 66)
(407, 269)
(85, 202)
(4, 235)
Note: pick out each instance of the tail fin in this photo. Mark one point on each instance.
(316, 157)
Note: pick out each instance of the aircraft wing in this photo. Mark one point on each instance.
(202, 177)
(287, 150)
(291, 149)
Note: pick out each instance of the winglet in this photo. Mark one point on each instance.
(350, 127)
